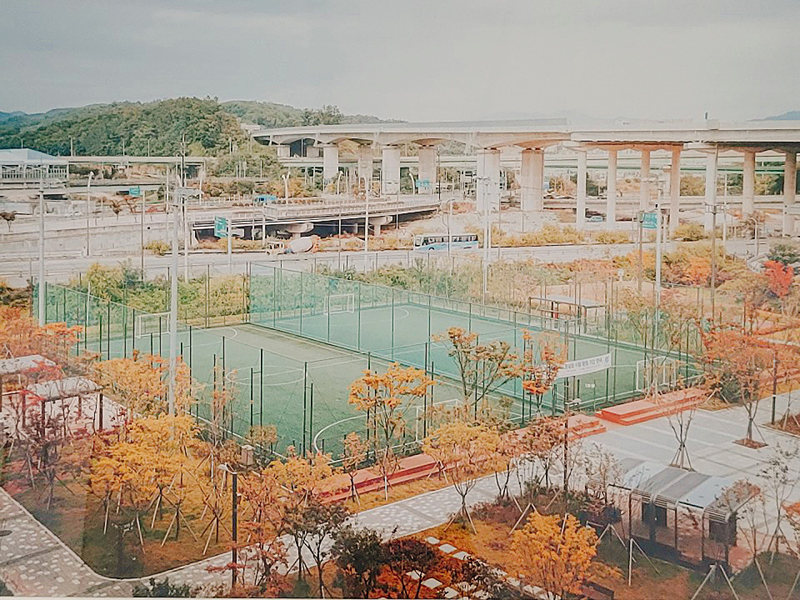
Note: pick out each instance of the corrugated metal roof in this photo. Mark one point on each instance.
(71, 387)
(671, 486)
(11, 366)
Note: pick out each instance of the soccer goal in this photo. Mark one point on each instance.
(659, 373)
(152, 324)
(341, 303)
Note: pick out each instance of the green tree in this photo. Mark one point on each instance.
(359, 556)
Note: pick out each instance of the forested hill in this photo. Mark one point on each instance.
(270, 114)
(155, 127)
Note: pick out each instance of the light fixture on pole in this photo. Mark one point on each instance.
(42, 293)
(234, 517)
(712, 209)
(88, 209)
(173, 305)
(366, 222)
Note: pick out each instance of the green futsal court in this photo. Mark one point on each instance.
(307, 337)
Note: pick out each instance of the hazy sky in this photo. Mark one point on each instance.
(411, 59)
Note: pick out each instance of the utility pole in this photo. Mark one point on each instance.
(42, 291)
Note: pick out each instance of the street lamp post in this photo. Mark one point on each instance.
(366, 222)
(42, 285)
(285, 177)
(234, 518)
(88, 209)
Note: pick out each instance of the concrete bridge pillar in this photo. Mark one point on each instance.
(365, 164)
(330, 163)
(675, 188)
(532, 179)
(749, 182)
(789, 191)
(427, 165)
(377, 222)
(611, 189)
(283, 151)
(644, 179)
(488, 192)
(580, 208)
(711, 192)
(390, 170)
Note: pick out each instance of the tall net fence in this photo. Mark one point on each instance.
(283, 346)
(410, 327)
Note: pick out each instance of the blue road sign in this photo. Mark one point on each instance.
(650, 220)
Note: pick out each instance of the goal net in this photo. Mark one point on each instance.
(659, 373)
(341, 303)
(152, 324)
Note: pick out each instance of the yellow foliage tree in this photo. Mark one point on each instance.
(386, 398)
(466, 452)
(140, 383)
(554, 553)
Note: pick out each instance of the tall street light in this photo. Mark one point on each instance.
(88, 209)
(366, 222)
(42, 285)
(234, 517)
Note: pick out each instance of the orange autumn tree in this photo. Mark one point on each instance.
(482, 368)
(738, 368)
(386, 398)
(132, 473)
(543, 358)
(554, 553)
(466, 451)
(779, 279)
(140, 383)
(20, 335)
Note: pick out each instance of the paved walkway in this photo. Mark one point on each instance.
(34, 562)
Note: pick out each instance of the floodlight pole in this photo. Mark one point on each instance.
(42, 299)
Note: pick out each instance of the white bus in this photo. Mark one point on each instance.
(443, 241)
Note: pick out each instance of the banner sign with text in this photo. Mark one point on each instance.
(585, 366)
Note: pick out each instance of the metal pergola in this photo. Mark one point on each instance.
(659, 489)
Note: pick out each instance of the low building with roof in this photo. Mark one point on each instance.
(27, 168)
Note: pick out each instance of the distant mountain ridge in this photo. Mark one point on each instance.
(792, 115)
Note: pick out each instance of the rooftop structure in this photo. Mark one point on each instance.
(23, 167)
